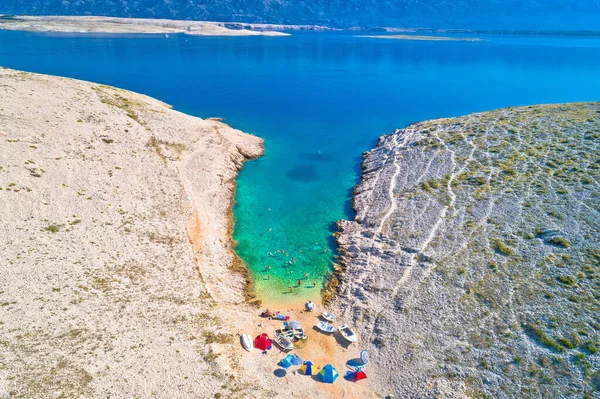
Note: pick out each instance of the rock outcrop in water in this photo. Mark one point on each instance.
(473, 265)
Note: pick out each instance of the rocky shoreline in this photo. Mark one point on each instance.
(471, 269)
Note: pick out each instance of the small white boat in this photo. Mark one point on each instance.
(284, 343)
(328, 316)
(247, 342)
(325, 327)
(347, 333)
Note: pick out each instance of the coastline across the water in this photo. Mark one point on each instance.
(422, 38)
(114, 25)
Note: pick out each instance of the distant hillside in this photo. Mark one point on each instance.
(504, 14)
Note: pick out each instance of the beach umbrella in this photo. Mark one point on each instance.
(307, 368)
(296, 361)
(328, 374)
(286, 362)
(262, 342)
(364, 357)
(359, 375)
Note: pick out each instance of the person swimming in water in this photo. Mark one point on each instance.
(305, 275)
(299, 283)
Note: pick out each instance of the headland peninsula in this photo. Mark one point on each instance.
(472, 267)
(113, 25)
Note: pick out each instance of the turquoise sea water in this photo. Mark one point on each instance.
(319, 100)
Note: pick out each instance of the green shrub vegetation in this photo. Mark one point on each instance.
(538, 334)
(53, 228)
(559, 242)
(501, 247)
(567, 280)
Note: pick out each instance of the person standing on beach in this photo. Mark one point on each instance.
(314, 283)
(291, 289)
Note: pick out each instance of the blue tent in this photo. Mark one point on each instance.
(328, 374)
(286, 361)
(307, 368)
(296, 361)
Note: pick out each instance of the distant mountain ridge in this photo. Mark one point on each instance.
(488, 14)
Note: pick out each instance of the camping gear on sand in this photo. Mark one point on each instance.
(359, 375)
(286, 362)
(262, 342)
(328, 374)
(307, 368)
(347, 333)
(355, 375)
(296, 361)
(247, 342)
(325, 327)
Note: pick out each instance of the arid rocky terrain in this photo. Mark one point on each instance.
(102, 192)
(473, 266)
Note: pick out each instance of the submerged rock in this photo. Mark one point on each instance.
(446, 271)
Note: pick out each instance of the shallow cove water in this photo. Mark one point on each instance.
(319, 100)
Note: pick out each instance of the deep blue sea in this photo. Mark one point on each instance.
(319, 100)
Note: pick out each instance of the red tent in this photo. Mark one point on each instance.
(359, 376)
(262, 342)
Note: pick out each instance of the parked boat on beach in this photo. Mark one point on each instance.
(293, 330)
(286, 344)
(247, 342)
(347, 333)
(328, 316)
(325, 327)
